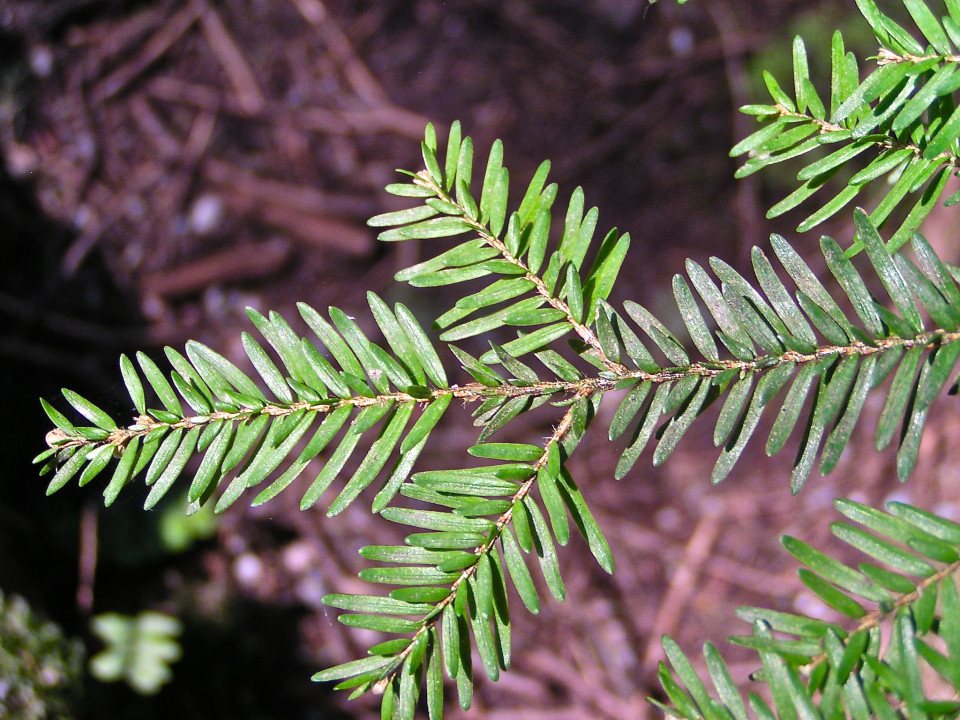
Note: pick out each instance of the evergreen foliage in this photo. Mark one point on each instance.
(902, 117)
(779, 344)
(40, 668)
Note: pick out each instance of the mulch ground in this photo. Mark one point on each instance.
(215, 155)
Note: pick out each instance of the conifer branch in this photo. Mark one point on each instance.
(522, 270)
(428, 623)
(780, 341)
(901, 113)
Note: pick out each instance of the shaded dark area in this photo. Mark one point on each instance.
(169, 162)
(242, 660)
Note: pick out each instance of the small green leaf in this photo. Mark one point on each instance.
(532, 341)
(374, 460)
(944, 141)
(928, 200)
(509, 452)
(759, 138)
(941, 363)
(159, 384)
(832, 570)
(801, 74)
(426, 353)
(932, 524)
(409, 190)
(434, 677)
(831, 394)
(572, 292)
(585, 521)
(496, 205)
(790, 411)
(853, 285)
(837, 439)
(467, 253)
(941, 82)
(539, 235)
(500, 291)
(407, 575)
(429, 151)
(219, 373)
(909, 449)
(192, 393)
(402, 217)
(628, 409)
(90, 411)
(892, 581)
(644, 431)
(898, 396)
(519, 572)
(123, 472)
(881, 550)
(836, 599)
(172, 469)
(776, 93)
(339, 458)
(96, 462)
(759, 110)
(491, 179)
(882, 261)
(603, 274)
(375, 604)
(726, 689)
(396, 337)
(66, 471)
(667, 343)
(683, 706)
(57, 418)
(693, 319)
(134, 386)
(447, 541)
(928, 25)
(572, 220)
(426, 422)
(768, 386)
(732, 408)
(437, 227)
(380, 623)
(685, 672)
(680, 423)
(876, 84)
(831, 208)
(435, 520)
(452, 155)
(354, 667)
(268, 371)
(205, 474)
(548, 484)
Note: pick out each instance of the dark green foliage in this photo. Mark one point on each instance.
(761, 344)
(802, 350)
(900, 123)
(40, 669)
(819, 669)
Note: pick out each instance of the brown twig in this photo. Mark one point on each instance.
(249, 95)
(86, 572)
(238, 180)
(682, 585)
(155, 48)
(233, 265)
(364, 84)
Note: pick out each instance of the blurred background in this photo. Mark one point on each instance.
(166, 163)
